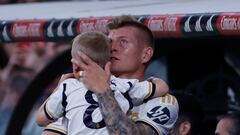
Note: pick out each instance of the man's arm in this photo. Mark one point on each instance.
(117, 122)
(97, 80)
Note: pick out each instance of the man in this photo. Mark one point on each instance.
(77, 104)
(228, 124)
(190, 116)
(132, 49)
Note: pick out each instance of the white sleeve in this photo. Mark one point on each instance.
(53, 107)
(141, 92)
(122, 101)
(160, 113)
(59, 126)
(133, 90)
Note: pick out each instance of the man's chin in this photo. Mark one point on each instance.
(114, 71)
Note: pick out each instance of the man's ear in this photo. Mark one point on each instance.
(147, 54)
(185, 128)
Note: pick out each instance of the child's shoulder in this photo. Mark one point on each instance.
(72, 82)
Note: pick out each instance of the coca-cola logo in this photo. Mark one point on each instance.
(86, 26)
(98, 24)
(101, 25)
(163, 24)
(230, 23)
(26, 30)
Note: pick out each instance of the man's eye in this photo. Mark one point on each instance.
(123, 41)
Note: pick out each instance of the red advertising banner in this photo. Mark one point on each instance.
(162, 26)
(89, 24)
(165, 25)
(27, 30)
(229, 24)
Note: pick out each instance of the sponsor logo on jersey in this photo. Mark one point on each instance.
(159, 114)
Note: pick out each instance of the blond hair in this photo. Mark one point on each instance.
(95, 45)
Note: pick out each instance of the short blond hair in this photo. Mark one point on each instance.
(95, 45)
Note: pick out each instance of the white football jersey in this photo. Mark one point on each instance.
(80, 107)
(160, 113)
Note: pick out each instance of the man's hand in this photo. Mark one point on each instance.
(94, 77)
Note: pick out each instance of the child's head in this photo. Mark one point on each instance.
(95, 45)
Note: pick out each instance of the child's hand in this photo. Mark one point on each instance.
(66, 76)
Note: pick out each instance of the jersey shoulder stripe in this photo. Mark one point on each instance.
(55, 129)
(151, 91)
(168, 99)
(47, 113)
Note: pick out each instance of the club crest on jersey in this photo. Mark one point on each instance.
(159, 114)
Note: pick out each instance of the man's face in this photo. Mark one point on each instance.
(224, 126)
(126, 54)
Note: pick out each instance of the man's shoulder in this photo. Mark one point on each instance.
(167, 100)
(160, 113)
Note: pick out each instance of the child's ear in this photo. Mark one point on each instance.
(75, 68)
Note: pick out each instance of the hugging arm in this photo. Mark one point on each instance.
(161, 87)
(118, 122)
(42, 117)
